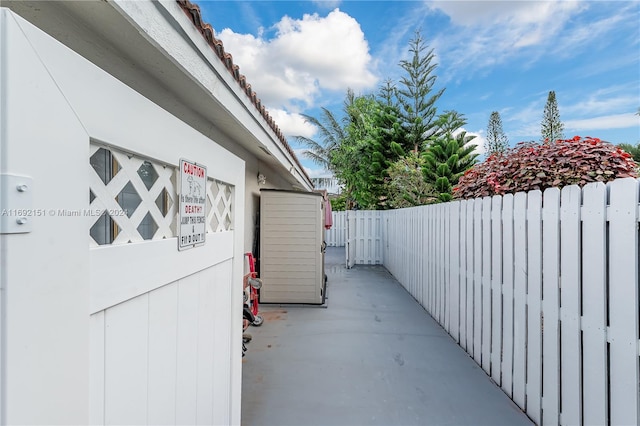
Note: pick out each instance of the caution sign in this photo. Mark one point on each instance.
(192, 223)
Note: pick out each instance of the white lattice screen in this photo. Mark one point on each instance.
(134, 199)
(219, 197)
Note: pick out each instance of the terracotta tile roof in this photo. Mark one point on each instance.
(193, 12)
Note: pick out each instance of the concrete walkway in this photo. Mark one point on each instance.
(373, 356)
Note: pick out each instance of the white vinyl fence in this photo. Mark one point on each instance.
(364, 237)
(336, 236)
(540, 289)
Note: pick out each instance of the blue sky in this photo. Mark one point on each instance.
(500, 56)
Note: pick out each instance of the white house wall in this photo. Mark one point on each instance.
(70, 312)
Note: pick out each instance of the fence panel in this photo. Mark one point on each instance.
(496, 288)
(551, 307)
(486, 284)
(570, 342)
(623, 301)
(594, 304)
(507, 294)
(463, 274)
(337, 235)
(424, 265)
(519, 297)
(351, 239)
(454, 271)
(444, 266)
(540, 289)
(477, 281)
(364, 238)
(469, 272)
(534, 299)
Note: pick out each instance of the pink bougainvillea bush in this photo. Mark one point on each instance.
(532, 165)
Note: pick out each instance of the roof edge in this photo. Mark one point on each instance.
(206, 30)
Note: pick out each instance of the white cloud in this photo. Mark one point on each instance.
(601, 109)
(292, 124)
(318, 173)
(491, 32)
(617, 121)
(305, 57)
(607, 100)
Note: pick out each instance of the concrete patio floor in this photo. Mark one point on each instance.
(373, 356)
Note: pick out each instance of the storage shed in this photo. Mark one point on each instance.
(292, 247)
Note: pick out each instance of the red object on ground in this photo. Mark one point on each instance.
(253, 300)
(328, 217)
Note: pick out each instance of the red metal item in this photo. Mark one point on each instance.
(254, 284)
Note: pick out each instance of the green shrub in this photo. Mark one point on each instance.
(531, 165)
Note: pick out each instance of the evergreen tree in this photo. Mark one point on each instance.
(387, 93)
(375, 138)
(496, 141)
(416, 97)
(448, 156)
(634, 150)
(405, 186)
(552, 127)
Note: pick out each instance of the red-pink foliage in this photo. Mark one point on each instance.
(532, 165)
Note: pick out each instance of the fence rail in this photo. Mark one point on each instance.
(540, 289)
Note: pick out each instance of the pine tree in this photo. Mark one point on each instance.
(552, 127)
(448, 156)
(496, 141)
(416, 97)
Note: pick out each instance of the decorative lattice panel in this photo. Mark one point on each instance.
(219, 202)
(134, 199)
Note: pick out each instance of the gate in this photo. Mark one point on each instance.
(95, 294)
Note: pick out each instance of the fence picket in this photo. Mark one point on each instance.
(496, 288)
(519, 297)
(425, 263)
(445, 265)
(623, 301)
(470, 276)
(454, 271)
(534, 298)
(432, 269)
(594, 299)
(477, 281)
(551, 307)
(437, 282)
(486, 284)
(463, 274)
(507, 294)
(570, 342)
